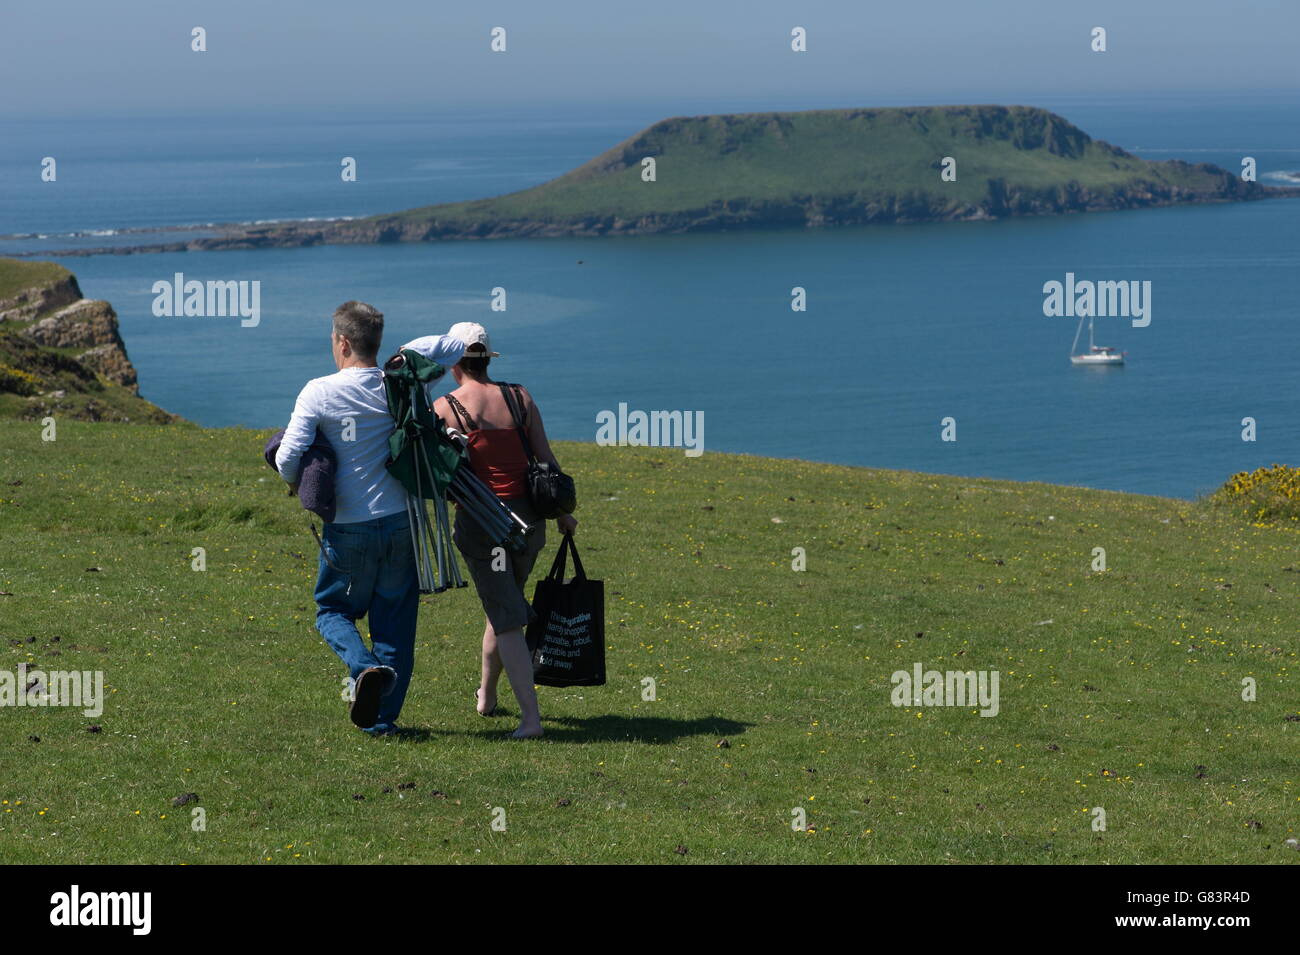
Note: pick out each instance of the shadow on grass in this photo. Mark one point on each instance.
(410, 734)
(641, 729)
(572, 729)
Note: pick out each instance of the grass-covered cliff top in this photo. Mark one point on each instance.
(808, 169)
(19, 275)
(865, 155)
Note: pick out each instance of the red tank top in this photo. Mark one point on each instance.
(496, 455)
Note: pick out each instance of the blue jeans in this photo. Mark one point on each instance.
(373, 573)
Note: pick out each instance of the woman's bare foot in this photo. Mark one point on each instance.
(527, 732)
(480, 703)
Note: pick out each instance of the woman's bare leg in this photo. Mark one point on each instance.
(487, 691)
(512, 650)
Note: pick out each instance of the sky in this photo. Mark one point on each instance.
(89, 57)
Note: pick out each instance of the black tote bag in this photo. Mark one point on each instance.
(567, 639)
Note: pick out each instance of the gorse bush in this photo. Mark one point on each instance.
(18, 382)
(1266, 495)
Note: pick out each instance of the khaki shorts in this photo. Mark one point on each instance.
(501, 591)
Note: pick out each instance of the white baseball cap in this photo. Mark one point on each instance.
(472, 333)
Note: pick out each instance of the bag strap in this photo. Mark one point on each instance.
(578, 572)
(515, 404)
(463, 417)
(558, 565)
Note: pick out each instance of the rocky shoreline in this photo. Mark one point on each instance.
(1000, 201)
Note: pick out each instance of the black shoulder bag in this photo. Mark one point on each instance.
(550, 490)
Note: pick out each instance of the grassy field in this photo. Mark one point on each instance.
(836, 156)
(1119, 689)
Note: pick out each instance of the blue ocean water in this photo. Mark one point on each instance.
(905, 325)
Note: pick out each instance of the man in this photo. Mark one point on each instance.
(367, 564)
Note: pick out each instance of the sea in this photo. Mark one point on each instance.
(911, 333)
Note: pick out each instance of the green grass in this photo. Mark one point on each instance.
(1116, 686)
(17, 275)
(832, 158)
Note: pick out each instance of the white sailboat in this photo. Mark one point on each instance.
(1096, 354)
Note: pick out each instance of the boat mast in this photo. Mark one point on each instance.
(1074, 347)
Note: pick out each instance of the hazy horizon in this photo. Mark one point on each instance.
(405, 55)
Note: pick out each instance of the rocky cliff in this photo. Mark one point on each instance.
(50, 288)
(90, 324)
(62, 354)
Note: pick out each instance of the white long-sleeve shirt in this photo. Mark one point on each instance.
(350, 409)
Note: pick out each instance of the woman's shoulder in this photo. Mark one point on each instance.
(462, 394)
(525, 396)
(518, 388)
(448, 407)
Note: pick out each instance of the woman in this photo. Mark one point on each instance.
(478, 409)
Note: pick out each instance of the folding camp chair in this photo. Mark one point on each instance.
(432, 465)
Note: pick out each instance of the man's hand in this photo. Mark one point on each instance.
(566, 523)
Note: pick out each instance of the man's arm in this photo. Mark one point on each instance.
(443, 349)
(298, 436)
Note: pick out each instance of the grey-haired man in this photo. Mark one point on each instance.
(367, 565)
